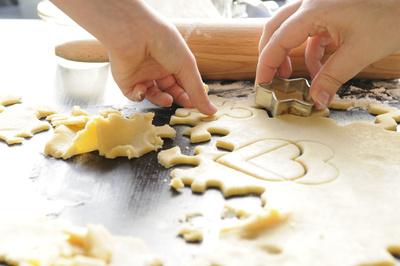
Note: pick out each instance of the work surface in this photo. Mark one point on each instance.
(129, 197)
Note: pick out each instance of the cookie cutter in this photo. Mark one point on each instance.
(285, 96)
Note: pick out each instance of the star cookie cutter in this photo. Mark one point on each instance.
(285, 96)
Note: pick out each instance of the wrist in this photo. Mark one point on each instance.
(132, 22)
(117, 24)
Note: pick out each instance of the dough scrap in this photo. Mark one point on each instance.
(106, 112)
(69, 141)
(135, 136)
(386, 116)
(341, 104)
(77, 111)
(256, 224)
(354, 172)
(379, 109)
(321, 113)
(77, 119)
(176, 184)
(44, 111)
(231, 212)
(6, 100)
(52, 243)
(389, 120)
(191, 234)
(18, 123)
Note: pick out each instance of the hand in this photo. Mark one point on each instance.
(363, 31)
(158, 65)
(149, 58)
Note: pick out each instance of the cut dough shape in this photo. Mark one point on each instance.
(50, 243)
(357, 170)
(209, 173)
(315, 159)
(135, 136)
(174, 156)
(193, 117)
(266, 159)
(18, 123)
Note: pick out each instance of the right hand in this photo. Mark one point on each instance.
(364, 31)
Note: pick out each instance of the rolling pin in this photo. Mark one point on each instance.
(227, 50)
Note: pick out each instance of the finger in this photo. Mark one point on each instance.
(166, 82)
(275, 22)
(292, 33)
(314, 53)
(285, 70)
(178, 94)
(182, 63)
(158, 97)
(344, 64)
(189, 79)
(138, 92)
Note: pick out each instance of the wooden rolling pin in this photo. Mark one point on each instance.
(227, 50)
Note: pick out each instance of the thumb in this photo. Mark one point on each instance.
(341, 66)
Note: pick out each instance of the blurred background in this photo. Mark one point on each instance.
(27, 9)
(83, 83)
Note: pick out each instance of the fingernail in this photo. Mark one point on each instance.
(213, 108)
(323, 99)
(138, 96)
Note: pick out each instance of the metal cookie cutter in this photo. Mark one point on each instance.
(283, 96)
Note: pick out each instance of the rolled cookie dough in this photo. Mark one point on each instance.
(55, 244)
(344, 220)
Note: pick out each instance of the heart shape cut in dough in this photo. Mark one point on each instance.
(281, 160)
